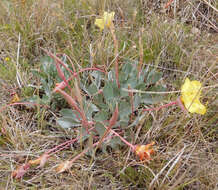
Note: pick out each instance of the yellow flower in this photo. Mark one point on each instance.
(191, 91)
(7, 59)
(106, 20)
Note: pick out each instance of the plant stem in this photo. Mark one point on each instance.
(84, 151)
(164, 106)
(65, 144)
(122, 139)
(63, 84)
(115, 54)
(131, 101)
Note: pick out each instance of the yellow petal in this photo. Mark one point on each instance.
(191, 91)
(108, 18)
(186, 85)
(196, 107)
(202, 109)
(99, 23)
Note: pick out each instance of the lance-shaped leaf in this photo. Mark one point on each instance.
(114, 117)
(70, 100)
(73, 103)
(58, 63)
(78, 95)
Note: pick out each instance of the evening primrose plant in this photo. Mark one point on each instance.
(104, 104)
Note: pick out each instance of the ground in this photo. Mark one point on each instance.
(177, 38)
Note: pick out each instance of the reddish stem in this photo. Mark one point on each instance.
(84, 151)
(63, 84)
(65, 144)
(164, 106)
(131, 101)
(58, 63)
(73, 103)
(116, 65)
(74, 69)
(112, 122)
(122, 139)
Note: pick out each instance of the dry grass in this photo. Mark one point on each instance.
(180, 41)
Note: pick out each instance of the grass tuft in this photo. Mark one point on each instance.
(180, 41)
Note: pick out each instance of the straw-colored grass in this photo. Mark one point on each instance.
(180, 41)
